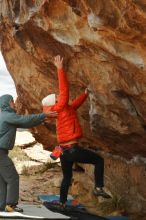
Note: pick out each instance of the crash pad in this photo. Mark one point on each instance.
(117, 217)
(33, 212)
(73, 212)
(55, 198)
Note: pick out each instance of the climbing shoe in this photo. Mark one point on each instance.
(101, 192)
(13, 208)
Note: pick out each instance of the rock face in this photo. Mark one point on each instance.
(103, 45)
(104, 49)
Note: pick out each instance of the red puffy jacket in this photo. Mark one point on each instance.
(68, 126)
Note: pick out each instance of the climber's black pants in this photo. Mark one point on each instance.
(81, 155)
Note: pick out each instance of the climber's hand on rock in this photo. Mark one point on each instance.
(87, 91)
(58, 62)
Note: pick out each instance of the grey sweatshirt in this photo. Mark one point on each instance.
(10, 121)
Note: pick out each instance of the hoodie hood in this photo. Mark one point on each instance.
(5, 102)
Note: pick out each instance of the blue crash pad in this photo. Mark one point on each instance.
(55, 198)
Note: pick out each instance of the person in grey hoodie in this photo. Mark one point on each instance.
(9, 122)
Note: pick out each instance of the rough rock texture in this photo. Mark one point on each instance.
(103, 45)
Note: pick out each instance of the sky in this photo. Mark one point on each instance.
(6, 82)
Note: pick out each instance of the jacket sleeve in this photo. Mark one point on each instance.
(25, 121)
(63, 92)
(79, 101)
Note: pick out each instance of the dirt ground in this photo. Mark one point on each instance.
(32, 185)
(48, 182)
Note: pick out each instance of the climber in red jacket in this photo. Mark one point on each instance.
(68, 133)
